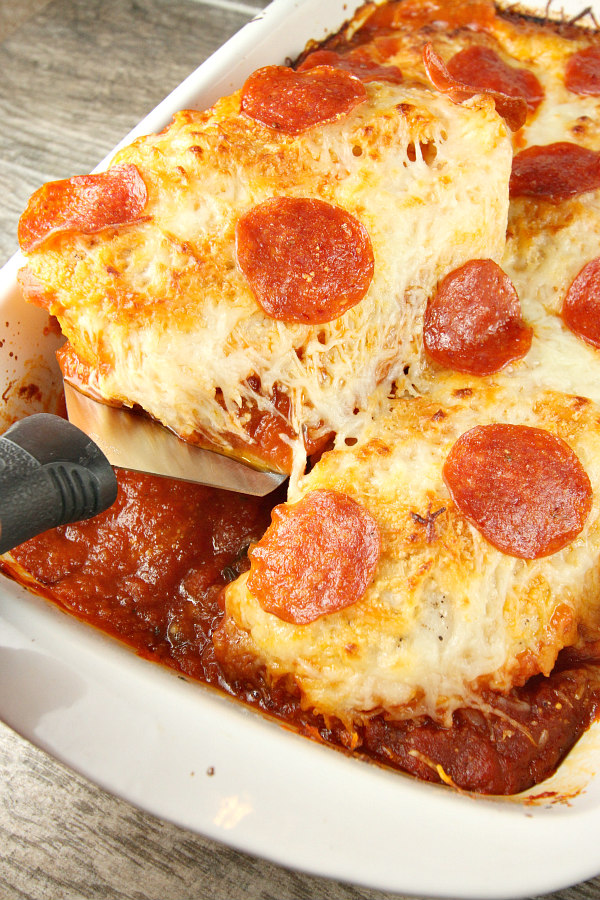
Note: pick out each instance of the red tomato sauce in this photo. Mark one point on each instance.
(150, 572)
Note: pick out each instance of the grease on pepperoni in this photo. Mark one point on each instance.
(358, 62)
(473, 322)
(292, 102)
(523, 488)
(317, 557)
(582, 74)
(581, 307)
(554, 171)
(443, 15)
(306, 261)
(86, 203)
(482, 68)
(513, 109)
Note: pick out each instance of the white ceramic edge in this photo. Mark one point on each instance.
(143, 734)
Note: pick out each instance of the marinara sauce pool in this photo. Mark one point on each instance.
(150, 571)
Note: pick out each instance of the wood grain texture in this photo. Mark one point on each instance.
(75, 76)
(63, 837)
(12, 15)
(78, 76)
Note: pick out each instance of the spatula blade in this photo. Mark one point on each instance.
(132, 441)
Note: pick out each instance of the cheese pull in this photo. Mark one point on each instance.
(51, 474)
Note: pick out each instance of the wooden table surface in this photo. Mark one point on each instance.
(75, 76)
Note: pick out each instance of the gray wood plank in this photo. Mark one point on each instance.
(79, 75)
(63, 837)
(75, 75)
(12, 15)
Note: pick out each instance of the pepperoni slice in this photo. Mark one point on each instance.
(554, 171)
(581, 307)
(512, 109)
(292, 102)
(473, 323)
(358, 63)
(306, 261)
(481, 67)
(318, 556)
(582, 75)
(446, 15)
(523, 488)
(86, 203)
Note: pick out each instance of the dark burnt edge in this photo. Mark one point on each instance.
(281, 703)
(569, 27)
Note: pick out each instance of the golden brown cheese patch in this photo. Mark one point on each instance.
(549, 240)
(447, 612)
(163, 312)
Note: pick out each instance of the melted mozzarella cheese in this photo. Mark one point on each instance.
(447, 613)
(166, 319)
(547, 242)
(448, 616)
(547, 246)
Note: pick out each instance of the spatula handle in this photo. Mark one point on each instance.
(51, 474)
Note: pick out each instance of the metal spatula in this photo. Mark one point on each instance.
(53, 472)
(132, 441)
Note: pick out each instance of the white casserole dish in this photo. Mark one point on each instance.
(144, 734)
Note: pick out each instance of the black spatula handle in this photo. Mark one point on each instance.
(51, 474)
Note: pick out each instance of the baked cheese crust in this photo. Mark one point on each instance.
(159, 312)
(447, 614)
(162, 316)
